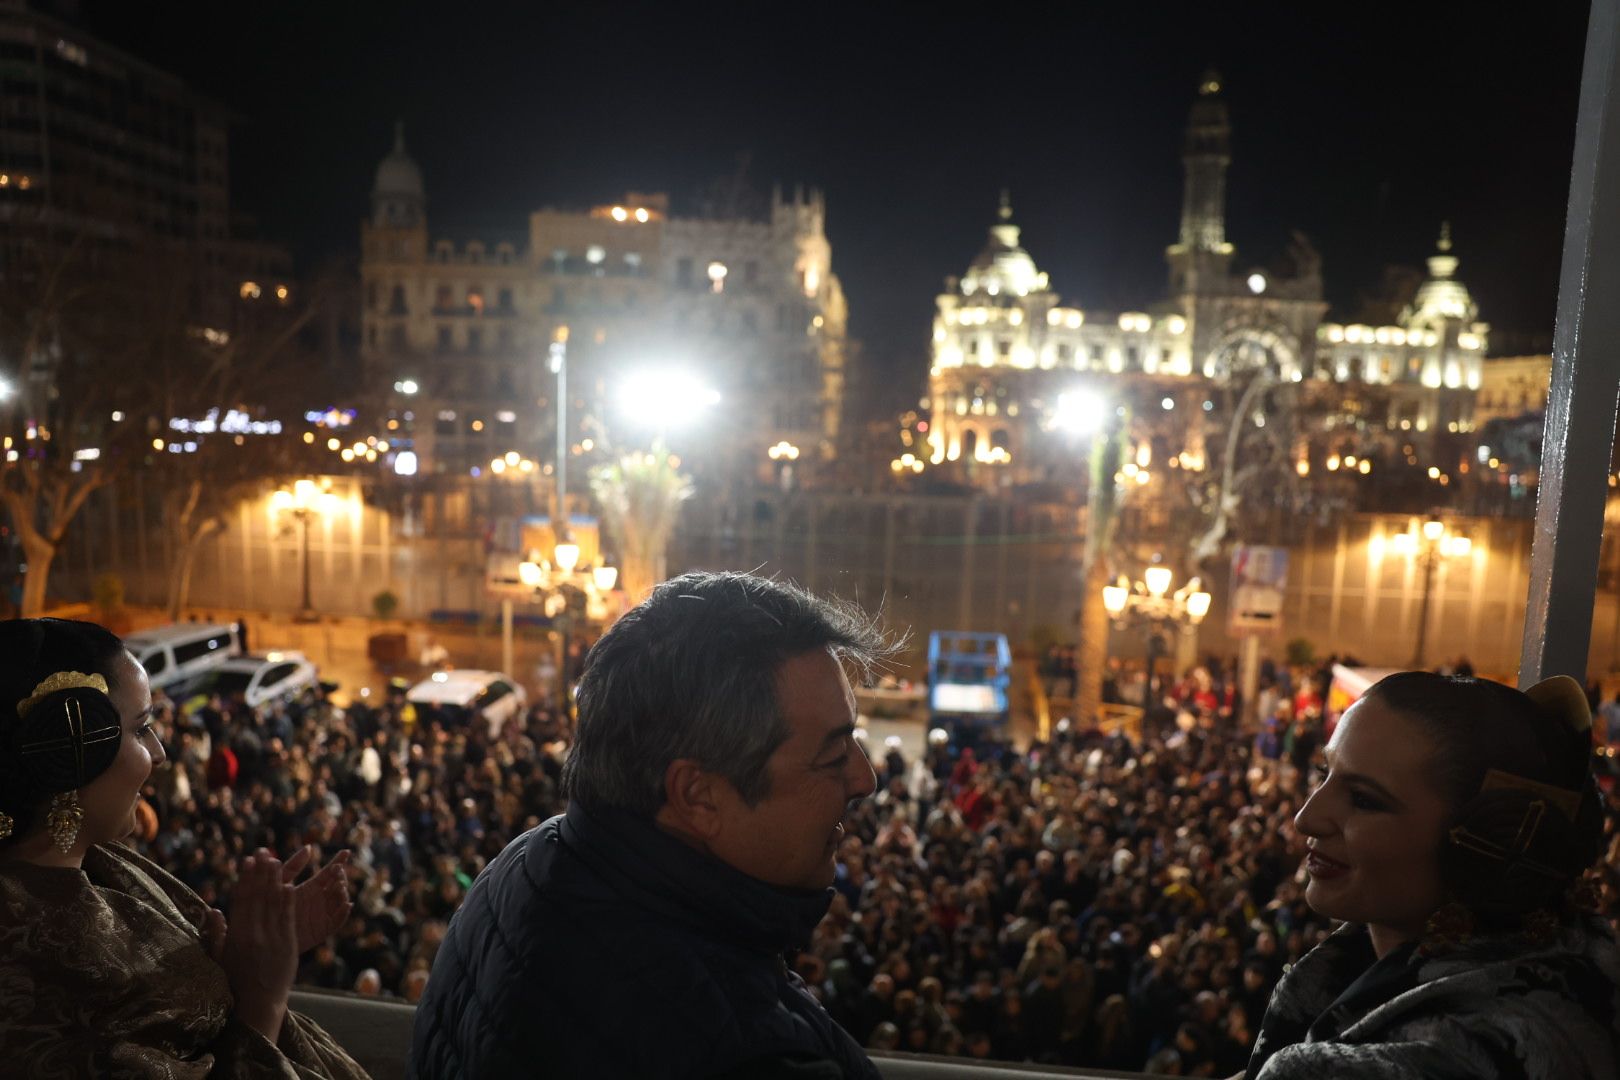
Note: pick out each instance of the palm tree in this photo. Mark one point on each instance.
(640, 495)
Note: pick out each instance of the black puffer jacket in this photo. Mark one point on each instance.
(596, 945)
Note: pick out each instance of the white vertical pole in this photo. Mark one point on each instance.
(506, 636)
(1579, 433)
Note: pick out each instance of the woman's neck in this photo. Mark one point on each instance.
(1386, 939)
(39, 851)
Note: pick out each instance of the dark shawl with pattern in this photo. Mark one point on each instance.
(103, 973)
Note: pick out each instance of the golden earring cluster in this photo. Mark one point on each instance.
(64, 820)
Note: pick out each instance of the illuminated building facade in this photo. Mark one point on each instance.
(1005, 345)
(749, 305)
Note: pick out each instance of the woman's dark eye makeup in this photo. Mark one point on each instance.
(1363, 800)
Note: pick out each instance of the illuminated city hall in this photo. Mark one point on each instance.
(1006, 346)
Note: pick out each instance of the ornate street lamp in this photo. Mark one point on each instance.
(1149, 604)
(304, 501)
(1434, 542)
(563, 586)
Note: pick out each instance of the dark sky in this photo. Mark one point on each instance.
(1363, 129)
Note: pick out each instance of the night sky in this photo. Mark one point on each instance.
(1363, 131)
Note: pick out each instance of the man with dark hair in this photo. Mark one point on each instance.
(642, 933)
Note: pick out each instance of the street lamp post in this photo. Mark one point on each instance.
(559, 366)
(555, 584)
(304, 501)
(784, 454)
(1434, 542)
(1149, 603)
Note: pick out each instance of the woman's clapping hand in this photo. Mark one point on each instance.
(272, 922)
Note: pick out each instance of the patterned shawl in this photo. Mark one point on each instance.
(102, 973)
(1497, 1006)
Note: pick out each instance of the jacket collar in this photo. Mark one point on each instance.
(659, 872)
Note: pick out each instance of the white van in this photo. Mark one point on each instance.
(495, 697)
(177, 656)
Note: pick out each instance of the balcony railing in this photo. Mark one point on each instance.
(377, 1034)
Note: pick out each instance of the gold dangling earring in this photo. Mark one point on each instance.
(64, 820)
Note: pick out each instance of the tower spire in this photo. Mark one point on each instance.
(1206, 152)
(1445, 237)
(1004, 212)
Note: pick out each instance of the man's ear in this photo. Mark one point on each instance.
(694, 798)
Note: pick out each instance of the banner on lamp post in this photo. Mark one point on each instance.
(1259, 586)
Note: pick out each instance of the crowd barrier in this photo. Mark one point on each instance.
(377, 1034)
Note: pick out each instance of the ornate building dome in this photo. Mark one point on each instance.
(1003, 268)
(398, 197)
(1442, 296)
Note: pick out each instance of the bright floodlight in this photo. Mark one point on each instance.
(665, 398)
(1115, 597)
(1082, 411)
(606, 577)
(6, 390)
(1198, 606)
(1433, 529)
(567, 557)
(1157, 578)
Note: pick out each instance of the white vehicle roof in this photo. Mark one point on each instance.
(163, 635)
(453, 687)
(254, 663)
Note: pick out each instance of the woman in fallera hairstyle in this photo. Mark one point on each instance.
(1451, 834)
(109, 966)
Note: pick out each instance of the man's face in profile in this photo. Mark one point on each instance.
(790, 838)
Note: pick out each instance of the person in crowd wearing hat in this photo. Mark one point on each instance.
(1451, 835)
(714, 764)
(108, 965)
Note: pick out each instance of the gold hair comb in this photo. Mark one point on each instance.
(62, 680)
(1564, 800)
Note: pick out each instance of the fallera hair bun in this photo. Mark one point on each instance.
(1566, 698)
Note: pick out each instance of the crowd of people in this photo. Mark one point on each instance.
(1087, 901)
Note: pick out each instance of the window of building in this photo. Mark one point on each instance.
(503, 300)
(1063, 353)
(1096, 354)
(441, 298)
(475, 340)
(444, 339)
(396, 337)
(503, 337)
(1131, 355)
(1004, 347)
(683, 273)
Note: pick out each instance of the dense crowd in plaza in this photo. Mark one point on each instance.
(1088, 901)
